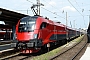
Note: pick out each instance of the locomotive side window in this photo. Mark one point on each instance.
(43, 25)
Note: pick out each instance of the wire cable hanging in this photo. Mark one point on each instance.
(48, 10)
(75, 7)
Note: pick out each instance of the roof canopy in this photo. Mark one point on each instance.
(10, 17)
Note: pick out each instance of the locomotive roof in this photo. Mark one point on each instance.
(58, 24)
(52, 22)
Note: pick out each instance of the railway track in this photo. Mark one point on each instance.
(17, 56)
(10, 56)
(72, 52)
(74, 57)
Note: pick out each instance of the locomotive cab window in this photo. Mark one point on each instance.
(43, 25)
(27, 24)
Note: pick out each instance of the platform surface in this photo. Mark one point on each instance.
(86, 55)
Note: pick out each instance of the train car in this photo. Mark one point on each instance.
(5, 32)
(35, 32)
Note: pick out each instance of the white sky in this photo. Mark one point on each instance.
(77, 13)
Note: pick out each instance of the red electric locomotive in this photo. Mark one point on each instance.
(35, 32)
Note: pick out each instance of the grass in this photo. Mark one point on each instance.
(46, 56)
(54, 52)
(78, 39)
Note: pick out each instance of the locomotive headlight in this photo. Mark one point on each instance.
(35, 36)
(16, 36)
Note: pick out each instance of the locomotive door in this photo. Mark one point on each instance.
(55, 33)
(43, 31)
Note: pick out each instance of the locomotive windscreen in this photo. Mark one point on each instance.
(27, 24)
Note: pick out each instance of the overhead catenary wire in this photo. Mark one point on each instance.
(47, 10)
(77, 4)
(75, 8)
(52, 12)
(24, 10)
(51, 5)
(82, 11)
(29, 1)
(78, 12)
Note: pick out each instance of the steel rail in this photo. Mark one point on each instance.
(66, 50)
(7, 57)
(78, 52)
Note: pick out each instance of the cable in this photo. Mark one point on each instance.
(77, 4)
(51, 5)
(29, 1)
(82, 11)
(78, 11)
(48, 10)
(52, 12)
(75, 7)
